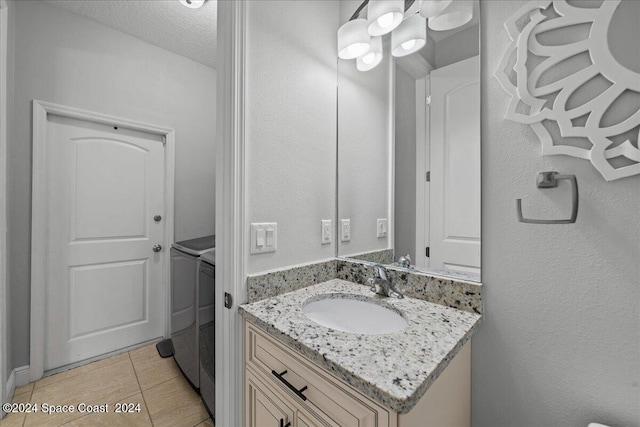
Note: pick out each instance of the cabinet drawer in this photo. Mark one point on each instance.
(338, 403)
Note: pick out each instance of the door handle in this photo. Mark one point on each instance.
(157, 248)
(157, 218)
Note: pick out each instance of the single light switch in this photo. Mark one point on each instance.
(382, 227)
(264, 237)
(260, 238)
(345, 230)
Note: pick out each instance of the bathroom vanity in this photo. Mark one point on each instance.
(300, 373)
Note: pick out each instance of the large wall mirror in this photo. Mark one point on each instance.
(409, 144)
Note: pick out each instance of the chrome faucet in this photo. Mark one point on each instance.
(381, 284)
(405, 261)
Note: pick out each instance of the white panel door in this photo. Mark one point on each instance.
(455, 167)
(104, 286)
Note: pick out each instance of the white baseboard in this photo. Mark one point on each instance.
(18, 377)
(10, 387)
(22, 375)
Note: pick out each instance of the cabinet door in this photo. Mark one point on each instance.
(304, 419)
(264, 408)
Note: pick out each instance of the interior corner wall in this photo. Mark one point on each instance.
(70, 60)
(560, 340)
(290, 127)
(405, 159)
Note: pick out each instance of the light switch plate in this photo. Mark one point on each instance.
(326, 231)
(264, 237)
(345, 230)
(382, 227)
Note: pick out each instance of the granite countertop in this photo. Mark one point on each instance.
(394, 369)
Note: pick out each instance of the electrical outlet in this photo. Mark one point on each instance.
(382, 227)
(345, 230)
(326, 231)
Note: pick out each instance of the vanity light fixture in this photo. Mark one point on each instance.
(458, 13)
(409, 37)
(431, 8)
(193, 4)
(353, 39)
(408, 28)
(384, 16)
(371, 59)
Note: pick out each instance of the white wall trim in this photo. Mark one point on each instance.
(231, 258)
(22, 375)
(5, 394)
(422, 166)
(40, 205)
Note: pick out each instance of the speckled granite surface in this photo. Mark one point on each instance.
(278, 282)
(382, 257)
(458, 294)
(394, 369)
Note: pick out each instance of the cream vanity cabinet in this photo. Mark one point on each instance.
(285, 389)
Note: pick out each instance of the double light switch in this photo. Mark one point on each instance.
(264, 237)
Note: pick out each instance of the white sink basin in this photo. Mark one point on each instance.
(355, 316)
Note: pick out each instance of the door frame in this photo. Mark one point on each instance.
(6, 389)
(39, 209)
(231, 227)
(423, 145)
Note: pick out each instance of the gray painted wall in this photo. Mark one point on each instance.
(365, 148)
(63, 58)
(561, 337)
(290, 126)
(405, 168)
(457, 47)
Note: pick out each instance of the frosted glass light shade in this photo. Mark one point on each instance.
(371, 59)
(193, 4)
(458, 13)
(353, 39)
(384, 16)
(431, 8)
(409, 37)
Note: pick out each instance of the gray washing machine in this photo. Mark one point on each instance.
(185, 304)
(207, 335)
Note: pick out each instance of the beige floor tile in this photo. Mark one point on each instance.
(152, 369)
(175, 404)
(28, 388)
(17, 418)
(122, 419)
(107, 384)
(206, 423)
(81, 370)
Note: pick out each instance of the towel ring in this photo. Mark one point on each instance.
(550, 180)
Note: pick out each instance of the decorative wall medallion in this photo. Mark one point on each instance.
(566, 83)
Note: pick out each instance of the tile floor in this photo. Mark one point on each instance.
(138, 376)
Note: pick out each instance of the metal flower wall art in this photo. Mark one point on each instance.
(580, 96)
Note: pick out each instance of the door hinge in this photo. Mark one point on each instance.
(228, 300)
(429, 176)
(428, 102)
(426, 252)
(164, 140)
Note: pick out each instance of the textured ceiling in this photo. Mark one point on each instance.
(164, 23)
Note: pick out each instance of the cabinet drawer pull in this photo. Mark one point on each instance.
(282, 424)
(288, 384)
